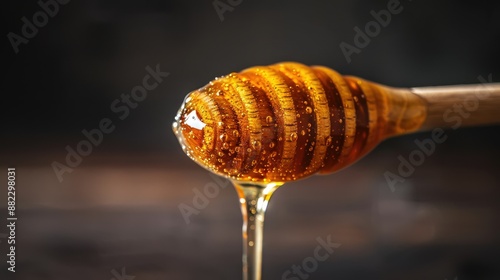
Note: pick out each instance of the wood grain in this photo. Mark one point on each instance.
(461, 105)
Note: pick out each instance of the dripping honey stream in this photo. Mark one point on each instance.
(254, 198)
(268, 125)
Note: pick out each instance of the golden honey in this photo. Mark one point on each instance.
(286, 121)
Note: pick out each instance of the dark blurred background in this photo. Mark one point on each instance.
(119, 207)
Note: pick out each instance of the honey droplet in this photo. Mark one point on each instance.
(256, 144)
(271, 125)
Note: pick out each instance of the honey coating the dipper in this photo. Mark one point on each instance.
(288, 121)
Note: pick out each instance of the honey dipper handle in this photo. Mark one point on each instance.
(460, 105)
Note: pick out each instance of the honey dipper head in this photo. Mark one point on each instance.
(288, 121)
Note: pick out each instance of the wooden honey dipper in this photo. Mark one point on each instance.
(287, 121)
